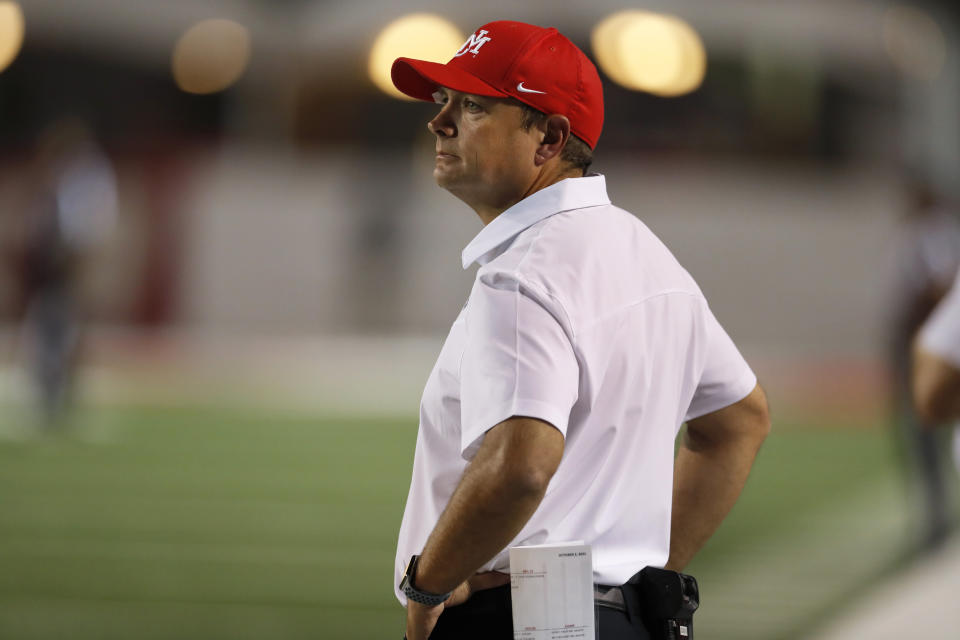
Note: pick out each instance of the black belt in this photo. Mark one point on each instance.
(488, 614)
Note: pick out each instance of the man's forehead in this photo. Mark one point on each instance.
(447, 92)
(442, 93)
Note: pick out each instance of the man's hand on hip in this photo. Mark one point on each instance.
(422, 619)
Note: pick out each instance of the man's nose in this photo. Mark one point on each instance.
(441, 125)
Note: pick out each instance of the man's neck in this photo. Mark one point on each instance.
(488, 212)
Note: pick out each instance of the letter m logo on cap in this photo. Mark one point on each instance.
(473, 43)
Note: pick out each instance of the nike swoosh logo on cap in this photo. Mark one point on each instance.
(522, 88)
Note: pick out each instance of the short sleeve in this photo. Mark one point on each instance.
(517, 359)
(726, 377)
(941, 333)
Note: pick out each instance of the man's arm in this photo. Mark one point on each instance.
(936, 387)
(500, 490)
(711, 469)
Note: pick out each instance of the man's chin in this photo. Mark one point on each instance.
(443, 178)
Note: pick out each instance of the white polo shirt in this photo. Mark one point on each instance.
(581, 317)
(941, 333)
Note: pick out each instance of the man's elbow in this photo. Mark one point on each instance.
(533, 480)
(930, 415)
(762, 422)
(936, 404)
(744, 424)
(935, 389)
(532, 473)
(757, 423)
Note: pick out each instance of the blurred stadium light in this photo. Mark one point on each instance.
(421, 35)
(914, 41)
(211, 56)
(645, 51)
(11, 32)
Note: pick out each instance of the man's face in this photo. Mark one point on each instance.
(484, 156)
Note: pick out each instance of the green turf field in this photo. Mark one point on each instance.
(202, 523)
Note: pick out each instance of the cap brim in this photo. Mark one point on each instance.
(420, 79)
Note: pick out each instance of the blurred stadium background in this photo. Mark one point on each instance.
(254, 273)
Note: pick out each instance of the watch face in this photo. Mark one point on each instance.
(408, 572)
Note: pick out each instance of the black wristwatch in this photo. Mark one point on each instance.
(411, 591)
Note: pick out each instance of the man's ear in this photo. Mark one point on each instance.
(556, 132)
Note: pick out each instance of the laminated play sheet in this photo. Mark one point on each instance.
(552, 592)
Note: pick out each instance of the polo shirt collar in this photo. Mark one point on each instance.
(571, 193)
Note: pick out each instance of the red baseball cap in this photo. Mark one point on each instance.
(537, 66)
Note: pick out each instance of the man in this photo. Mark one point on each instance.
(936, 362)
(72, 211)
(926, 257)
(553, 408)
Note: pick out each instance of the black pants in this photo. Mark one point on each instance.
(487, 616)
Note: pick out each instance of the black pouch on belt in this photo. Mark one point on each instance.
(665, 600)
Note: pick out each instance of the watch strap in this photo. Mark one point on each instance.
(410, 590)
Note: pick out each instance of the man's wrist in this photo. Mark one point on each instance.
(414, 592)
(426, 577)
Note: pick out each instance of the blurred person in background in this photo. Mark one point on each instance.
(936, 364)
(927, 256)
(553, 409)
(71, 208)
